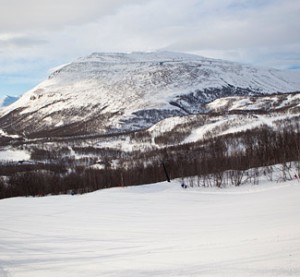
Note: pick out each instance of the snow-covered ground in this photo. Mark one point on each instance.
(154, 230)
(13, 155)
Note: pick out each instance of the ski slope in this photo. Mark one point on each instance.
(154, 230)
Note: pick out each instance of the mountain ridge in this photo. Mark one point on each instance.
(115, 92)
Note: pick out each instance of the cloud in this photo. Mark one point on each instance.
(20, 41)
(233, 28)
(27, 15)
(190, 25)
(49, 33)
(247, 31)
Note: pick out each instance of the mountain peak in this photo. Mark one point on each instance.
(133, 57)
(115, 92)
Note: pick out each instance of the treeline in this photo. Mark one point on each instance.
(215, 161)
(230, 156)
(60, 180)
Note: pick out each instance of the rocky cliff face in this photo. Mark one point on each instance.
(109, 93)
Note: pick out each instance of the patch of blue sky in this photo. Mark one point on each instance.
(16, 85)
(294, 67)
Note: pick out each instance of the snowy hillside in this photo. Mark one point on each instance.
(266, 103)
(104, 93)
(154, 230)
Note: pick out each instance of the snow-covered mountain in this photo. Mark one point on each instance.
(104, 93)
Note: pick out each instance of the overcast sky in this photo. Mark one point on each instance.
(37, 35)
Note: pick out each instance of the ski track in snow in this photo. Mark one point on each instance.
(154, 230)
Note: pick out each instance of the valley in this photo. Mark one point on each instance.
(111, 120)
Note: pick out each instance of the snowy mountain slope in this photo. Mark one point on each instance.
(104, 93)
(195, 128)
(290, 102)
(154, 230)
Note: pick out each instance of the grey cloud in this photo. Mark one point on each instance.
(21, 41)
(63, 30)
(266, 26)
(18, 15)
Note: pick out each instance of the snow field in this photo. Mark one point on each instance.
(9, 155)
(154, 230)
